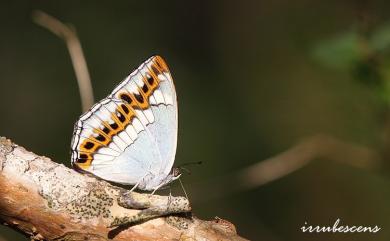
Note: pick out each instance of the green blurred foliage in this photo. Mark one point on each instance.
(253, 78)
(362, 54)
(340, 52)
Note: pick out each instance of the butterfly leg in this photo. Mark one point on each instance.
(170, 196)
(135, 186)
(162, 184)
(158, 187)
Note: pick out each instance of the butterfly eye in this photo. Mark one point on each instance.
(176, 172)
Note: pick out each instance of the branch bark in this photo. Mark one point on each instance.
(48, 201)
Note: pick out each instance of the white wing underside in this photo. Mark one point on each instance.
(147, 145)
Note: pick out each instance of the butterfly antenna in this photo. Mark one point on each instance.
(190, 163)
(181, 167)
(185, 169)
(182, 187)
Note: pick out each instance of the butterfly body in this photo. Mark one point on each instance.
(130, 136)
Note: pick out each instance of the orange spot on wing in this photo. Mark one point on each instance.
(84, 160)
(156, 81)
(145, 103)
(116, 120)
(160, 63)
(89, 145)
(101, 132)
(130, 115)
(101, 137)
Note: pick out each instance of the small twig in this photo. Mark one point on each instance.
(69, 35)
(293, 159)
(298, 156)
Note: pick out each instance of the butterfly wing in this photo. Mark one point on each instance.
(133, 131)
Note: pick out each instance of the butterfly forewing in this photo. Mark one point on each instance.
(133, 131)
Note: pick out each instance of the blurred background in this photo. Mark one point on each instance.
(286, 103)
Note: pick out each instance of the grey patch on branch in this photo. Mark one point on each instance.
(142, 216)
(5, 146)
(155, 206)
(59, 185)
(129, 199)
(17, 161)
(178, 222)
(96, 204)
(178, 204)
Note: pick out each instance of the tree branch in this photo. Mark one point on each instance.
(48, 201)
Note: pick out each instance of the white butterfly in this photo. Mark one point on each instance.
(130, 136)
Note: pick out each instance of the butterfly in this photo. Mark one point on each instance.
(130, 136)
